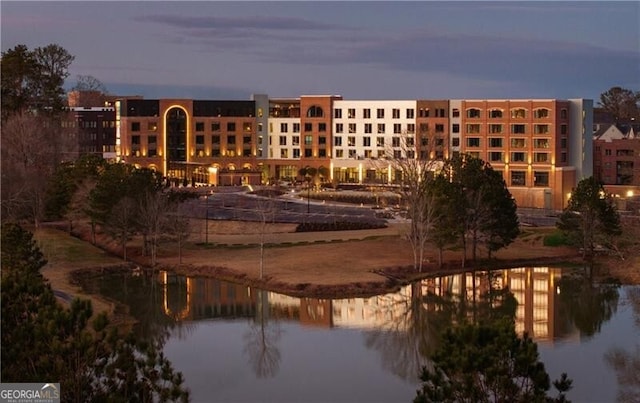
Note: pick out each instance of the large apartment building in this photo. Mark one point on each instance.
(542, 147)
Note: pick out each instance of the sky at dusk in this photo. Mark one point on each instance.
(360, 50)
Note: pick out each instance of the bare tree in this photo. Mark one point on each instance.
(152, 215)
(418, 202)
(121, 223)
(32, 146)
(266, 209)
(179, 227)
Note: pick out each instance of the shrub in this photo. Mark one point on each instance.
(556, 238)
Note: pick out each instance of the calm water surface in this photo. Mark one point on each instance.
(238, 344)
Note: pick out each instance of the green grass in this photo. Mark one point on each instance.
(555, 238)
(61, 248)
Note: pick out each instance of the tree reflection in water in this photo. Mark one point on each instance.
(262, 340)
(417, 321)
(586, 304)
(627, 363)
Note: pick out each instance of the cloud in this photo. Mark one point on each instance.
(241, 23)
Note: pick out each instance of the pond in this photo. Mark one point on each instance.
(235, 343)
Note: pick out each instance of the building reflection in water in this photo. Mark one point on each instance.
(535, 288)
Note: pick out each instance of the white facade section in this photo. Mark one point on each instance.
(581, 137)
(455, 128)
(372, 130)
(284, 138)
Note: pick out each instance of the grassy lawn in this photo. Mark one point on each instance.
(61, 249)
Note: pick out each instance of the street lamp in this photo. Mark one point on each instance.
(206, 222)
(308, 191)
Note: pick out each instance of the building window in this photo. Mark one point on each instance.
(283, 140)
(395, 113)
(231, 139)
(540, 157)
(296, 153)
(246, 140)
(541, 113)
(495, 128)
(518, 143)
(397, 128)
(151, 126)
(308, 153)
(315, 112)
(455, 142)
(473, 113)
(455, 128)
(518, 113)
(284, 127)
(247, 127)
(200, 140)
(410, 141)
(541, 129)
(563, 143)
(366, 113)
(352, 153)
(337, 113)
(322, 140)
(424, 113)
(351, 141)
(411, 128)
(397, 154)
(541, 143)
(607, 151)
(296, 127)
(495, 156)
(215, 126)
(308, 127)
(379, 141)
(339, 128)
(439, 128)
(381, 128)
(215, 139)
(424, 127)
(440, 113)
(295, 140)
(473, 128)
(368, 128)
(366, 141)
(308, 140)
(199, 126)
(495, 113)
(518, 178)
(540, 178)
(322, 153)
(519, 129)
(410, 113)
(455, 113)
(495, 142)
(563, 157)
(473, 142)
(322, 127)
(563, 113)
(380, 113)
(518, 157)
(352, 128)
(231, 127)
(284, 153)
(351, 113)
(339, 153)
(337, 141)
(563, 129)
(439, 142)
(395, 141)
(135, 126)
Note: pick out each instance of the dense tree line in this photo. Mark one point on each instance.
(92, 360)
(465, 202)
(590, 218)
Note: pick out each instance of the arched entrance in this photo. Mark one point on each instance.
(176, 141)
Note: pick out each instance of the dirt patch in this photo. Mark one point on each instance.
(374, 264)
